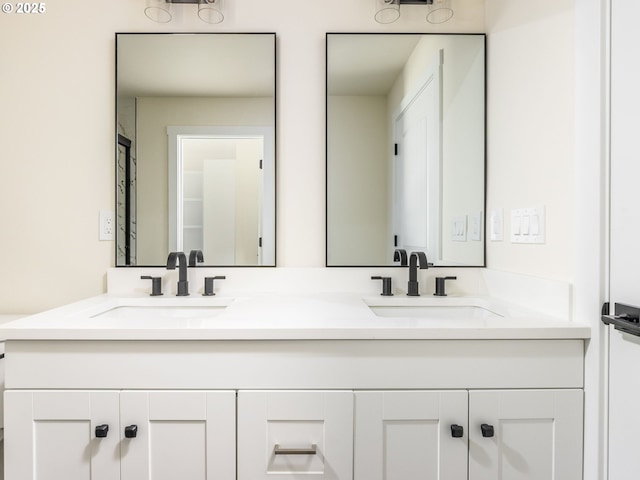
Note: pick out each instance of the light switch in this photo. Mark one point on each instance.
(516, 225)
(459, 229)
(475, 227)
(535, 225)
(497, 225)
(527, 225)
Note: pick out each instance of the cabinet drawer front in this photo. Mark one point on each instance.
(288, 433)
(408, 434)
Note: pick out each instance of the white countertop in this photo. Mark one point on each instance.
(277, 316)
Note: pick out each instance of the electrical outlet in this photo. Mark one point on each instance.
(107, 224)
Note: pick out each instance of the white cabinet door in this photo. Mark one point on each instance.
(186, 435)
(51, 435)
(408, 435)
(528, 434)
(295, 435)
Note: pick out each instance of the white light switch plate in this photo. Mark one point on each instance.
(496, 225)
(528, 225)
(459, 229)
(475, 226)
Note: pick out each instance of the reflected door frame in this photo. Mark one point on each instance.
(175, 136)
(127, 193)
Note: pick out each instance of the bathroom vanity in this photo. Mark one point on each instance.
(323, 385)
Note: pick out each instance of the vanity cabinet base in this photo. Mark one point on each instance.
(326, 410)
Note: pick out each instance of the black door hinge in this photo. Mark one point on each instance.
(395, 149)
(260, 164)
(260, 242)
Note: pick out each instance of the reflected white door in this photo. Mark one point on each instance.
(221, 193)
(417, 166)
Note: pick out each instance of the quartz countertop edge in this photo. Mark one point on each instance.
(284, 316)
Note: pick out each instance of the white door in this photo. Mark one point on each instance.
(186, 435)
(295, 435)
(53, 435)
(525, 434)
(411, 435)
(417, 166)
(624, 349)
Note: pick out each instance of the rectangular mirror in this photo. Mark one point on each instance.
(405, 148)
(195, 166)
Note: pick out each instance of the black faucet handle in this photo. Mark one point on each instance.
(208, 285)
(156, 284)
(386, 285)
(440, 286)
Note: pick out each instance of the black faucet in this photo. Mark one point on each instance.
(400, 255)
(183, 284)
(195, 256)
(416, 259)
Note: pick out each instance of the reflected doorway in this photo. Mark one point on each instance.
(217, 196)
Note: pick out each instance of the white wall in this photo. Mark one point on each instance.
(531, 134)
(57, 130)
(359, 229)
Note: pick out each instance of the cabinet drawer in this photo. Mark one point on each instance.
(294, 434)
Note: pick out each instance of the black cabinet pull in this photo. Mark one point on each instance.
(487, 430)
(102, 431)
(131, 431)
(457, 431)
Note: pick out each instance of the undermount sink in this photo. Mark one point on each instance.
(439, 312)
(162, 312)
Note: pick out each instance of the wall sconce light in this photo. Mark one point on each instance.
(210, 11)
(388, 11)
